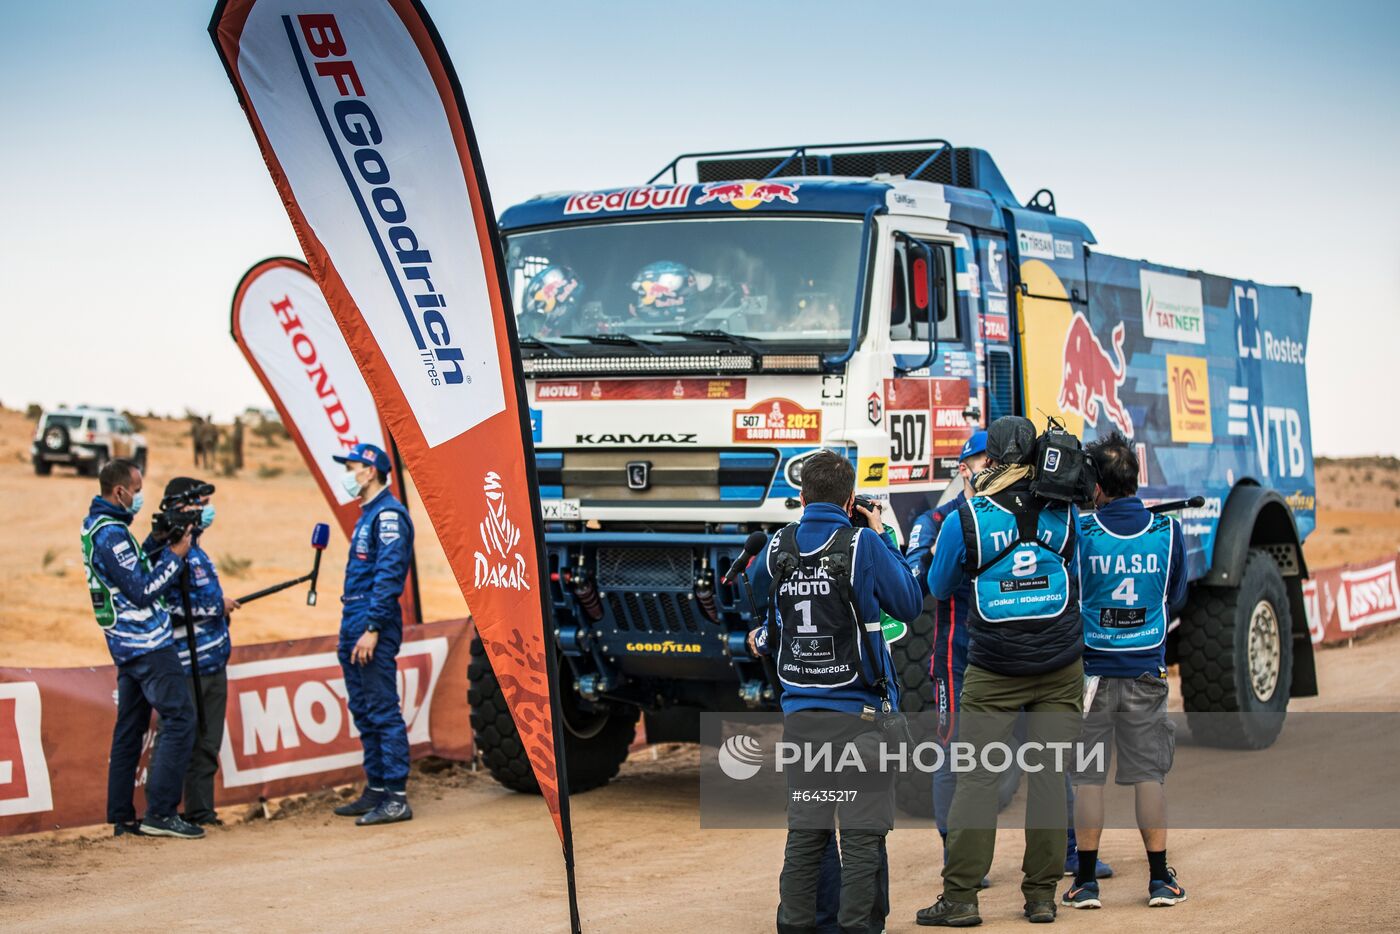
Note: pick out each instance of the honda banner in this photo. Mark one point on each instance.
(286, 331)
(287, 728)
(361, 123)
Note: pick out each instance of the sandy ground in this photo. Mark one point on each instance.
(479, 858)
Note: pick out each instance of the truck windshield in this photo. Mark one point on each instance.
(766, 279)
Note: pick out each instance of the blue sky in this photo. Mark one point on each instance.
(1250, 139)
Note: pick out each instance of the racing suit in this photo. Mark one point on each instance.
(126, 589)
(381, 547)
(212, 647)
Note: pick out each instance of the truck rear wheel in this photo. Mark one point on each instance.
(595, 743)
(913, 789)
(1236, 657)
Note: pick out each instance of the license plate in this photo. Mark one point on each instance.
(557, 510)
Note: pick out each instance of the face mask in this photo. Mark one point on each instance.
(206, 516)
(137, 502)
(351, 483)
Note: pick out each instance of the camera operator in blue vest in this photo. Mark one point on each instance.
(210, 610)
(828, 582)
(126, 587)
(1132, 567)
(1017, 550)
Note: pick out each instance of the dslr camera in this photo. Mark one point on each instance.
(863, 501)
(179, 512)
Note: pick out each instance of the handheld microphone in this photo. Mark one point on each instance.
(1195, 502)
(320, 538)
(752, 546)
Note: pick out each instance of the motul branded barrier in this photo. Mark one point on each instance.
(1344, 601)
(287, 728)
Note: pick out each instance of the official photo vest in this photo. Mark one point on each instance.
(818, 631)
(1123, 580)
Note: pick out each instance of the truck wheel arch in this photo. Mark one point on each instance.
(1258, 517)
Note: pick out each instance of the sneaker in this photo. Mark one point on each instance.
(1164, 894)
(1082, 896)
(944, 913)
(1040, 912)
(1102, 870)
(173, 826)
(125, 828)
(391, 810)
(206, 820)
(367, 801)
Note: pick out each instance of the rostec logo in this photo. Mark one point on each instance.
(748, 195)
(500, 565)
(1370, 596)
(24, 772)
(288, 716)
(1256, 343)
(1090, 377)
(305, 351)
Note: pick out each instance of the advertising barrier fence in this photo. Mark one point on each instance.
(1344, 601)
(287, 728)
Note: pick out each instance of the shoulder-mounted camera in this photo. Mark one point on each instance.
(179, 512)
(1063, 471)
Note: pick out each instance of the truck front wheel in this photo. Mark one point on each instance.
(1236, 655)
(595, 743)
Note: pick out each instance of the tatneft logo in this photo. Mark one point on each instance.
(500, 565)
(374, 166)
(24, 772)
(1254, 341)
(1172, 308)
(1035, 245)
(288, 716)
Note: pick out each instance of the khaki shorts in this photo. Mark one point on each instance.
(1130, 714)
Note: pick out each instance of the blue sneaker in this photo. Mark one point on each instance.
(1164, 894)
(1082, 896)
(1102, 870)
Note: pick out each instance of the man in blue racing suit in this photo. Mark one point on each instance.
(371, 628)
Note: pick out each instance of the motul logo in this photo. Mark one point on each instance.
(24, 772)
(1370, 596)
(288, 716)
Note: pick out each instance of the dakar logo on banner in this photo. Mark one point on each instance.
(288, 716)
(500, 565)
(1090, 378)
(24, 772)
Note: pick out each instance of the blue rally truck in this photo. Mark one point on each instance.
(689, 341)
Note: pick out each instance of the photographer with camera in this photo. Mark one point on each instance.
(186, 506)
(827, 583)
(125, 587)
(1017, 550)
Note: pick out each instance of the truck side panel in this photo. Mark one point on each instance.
(1205, 374)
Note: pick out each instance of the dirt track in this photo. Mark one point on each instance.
(478, 858)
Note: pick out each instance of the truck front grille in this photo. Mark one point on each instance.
(674, 476)
(646, 568)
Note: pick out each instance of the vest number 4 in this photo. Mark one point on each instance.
(1125, 592)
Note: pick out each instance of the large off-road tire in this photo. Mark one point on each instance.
(1236, 654)
(140, 459)
(42, 467)
(913, 789)
(94, 468)
(595, 745)
(56, 439)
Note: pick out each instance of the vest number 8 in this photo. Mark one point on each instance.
(1023, 563)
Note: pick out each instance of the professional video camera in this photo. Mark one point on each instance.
(179, 512)
(1063, 472)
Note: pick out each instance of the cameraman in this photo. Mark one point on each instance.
(854, 676)
(210, 610)
(126, 588)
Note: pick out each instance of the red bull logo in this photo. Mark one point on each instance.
(557, 290)
(1091, 377)
(748, 195)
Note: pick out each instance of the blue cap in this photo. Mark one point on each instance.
(365, 454)
(977, 444)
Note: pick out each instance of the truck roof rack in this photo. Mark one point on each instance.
(926, 160)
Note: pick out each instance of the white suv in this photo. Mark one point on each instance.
(85, 438)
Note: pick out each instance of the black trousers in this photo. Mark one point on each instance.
(199, 779)
(151, 681)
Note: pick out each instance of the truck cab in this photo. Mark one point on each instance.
(687, 342)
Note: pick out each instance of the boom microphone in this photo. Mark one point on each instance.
(1195, 502)
(752, 546)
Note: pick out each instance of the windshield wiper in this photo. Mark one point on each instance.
(534, 343)
(616, 340)
(742, 341)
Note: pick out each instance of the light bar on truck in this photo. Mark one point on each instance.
(695, 363)
(791, 362)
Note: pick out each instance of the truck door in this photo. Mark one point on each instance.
(998, 381)
(1060, 356)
